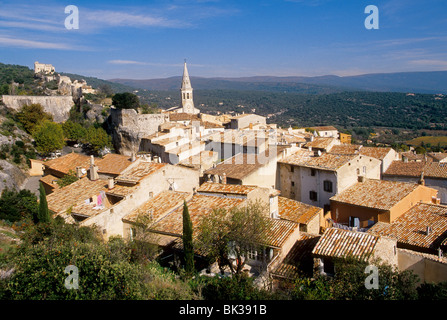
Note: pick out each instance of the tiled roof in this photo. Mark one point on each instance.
(296, 211)
(324, 128)
(299, 257)
(278, 231)
(140, 171)
(320, 143)
(242, 165)
(415, 169)
(377, 194)
(159, 206)
(326, 161)
(64, 198)
(110, 163)
(50, 180)
(198, 207)
(68, 162)
(345, 149)
(206, 158)
(410, 228)
(375, 152)
(180, 116)
(412, 156)
(209, 187)
(437, 156)
(340, 243)
(113, 163)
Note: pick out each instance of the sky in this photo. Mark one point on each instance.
(225, 38)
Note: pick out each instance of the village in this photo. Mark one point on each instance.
(324, 197)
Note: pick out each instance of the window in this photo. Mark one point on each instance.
(313, 196)
(327, 186)
(313, 172)
(293, 183)
(364, 169)
(292, 168)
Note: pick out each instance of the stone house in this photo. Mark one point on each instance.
(341, 244)
(105, 202)
(432, 174)
(370, 201)
(313, 178)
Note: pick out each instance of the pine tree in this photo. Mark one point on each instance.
(43, 215)
(187, 240)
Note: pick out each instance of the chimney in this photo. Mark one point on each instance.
(404, 159)
(435, 200)
(132, 157)
(309, 148)
(111, 184)
(79, 172)
(224, 178)
(428, 231)
(421, 179)
(439, 253)
(93, 170)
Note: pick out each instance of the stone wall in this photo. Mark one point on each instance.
(129, 127)
(58, 106)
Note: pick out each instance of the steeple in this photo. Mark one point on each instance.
(186, 83)
(186, 92)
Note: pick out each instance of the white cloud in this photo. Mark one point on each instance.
(24, 43)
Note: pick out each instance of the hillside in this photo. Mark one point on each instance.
(344, 109)
(417, 82)
(281, 85)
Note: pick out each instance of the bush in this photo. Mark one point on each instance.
(16, 206)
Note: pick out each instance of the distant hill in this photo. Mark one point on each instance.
(431, 82)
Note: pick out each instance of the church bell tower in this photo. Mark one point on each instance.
(186, 92)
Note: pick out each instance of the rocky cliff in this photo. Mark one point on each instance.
(58, 106)
(11, 176)
(128, 128)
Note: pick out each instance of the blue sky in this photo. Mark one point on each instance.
(226, 38)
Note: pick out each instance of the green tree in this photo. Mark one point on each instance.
(31, 116)
(126, 100)
(98, 138)
(74, 131)
(49, 137)
(188, 247)
(16, 206)
(228, 236)
(43, 214)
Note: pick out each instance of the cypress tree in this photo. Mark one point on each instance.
(188, 248)
(43, 215)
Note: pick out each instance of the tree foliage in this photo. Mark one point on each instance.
(18, 205)
(74, 131)
(188, 247)
(31, 116)
(43, 214)
(228, 237)
(49, 137)
(126, 100)
(98, 138)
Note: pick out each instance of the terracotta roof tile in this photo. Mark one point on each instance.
(296, 211)
(76, 193)
(341, 243)
(410, 228)
(198, 206)
(326, 161)
(377, 194)
(209, 187)
(159, 206)
(415, 169)
(113, 163)
(375, 152)
(68, 162)
(320, 143)
(138, 172)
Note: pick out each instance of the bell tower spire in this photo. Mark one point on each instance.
(186, 92)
